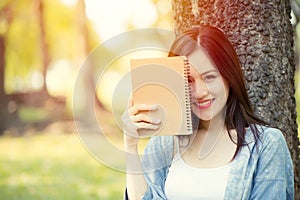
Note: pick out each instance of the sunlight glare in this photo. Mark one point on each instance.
(144, 14)
(59, 78)
(115, 16)
(37, 80)
(69, 2)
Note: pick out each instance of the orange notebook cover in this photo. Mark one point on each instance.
(163, 82)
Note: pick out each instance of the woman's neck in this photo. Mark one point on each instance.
(214, 125)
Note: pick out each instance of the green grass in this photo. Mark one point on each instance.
(54, 166)
(31, 114)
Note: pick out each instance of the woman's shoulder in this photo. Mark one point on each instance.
(264, 132)
(267, 136)
(268, 133)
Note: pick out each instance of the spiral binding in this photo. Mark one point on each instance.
(188, 94)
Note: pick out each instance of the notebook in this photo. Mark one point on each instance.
(163, 82)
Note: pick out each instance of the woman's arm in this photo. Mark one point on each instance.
(133, 120)
(135, 180)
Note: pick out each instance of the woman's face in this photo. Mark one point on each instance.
(209, 89)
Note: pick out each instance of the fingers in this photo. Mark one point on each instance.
(133, 110)
(135, 118)
(142, 120)
(145, 118)
(145, 125)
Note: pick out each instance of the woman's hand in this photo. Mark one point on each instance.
(134, 118)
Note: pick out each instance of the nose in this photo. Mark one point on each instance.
(199, 89)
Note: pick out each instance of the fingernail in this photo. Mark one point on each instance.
(153, 107)
(156, 121)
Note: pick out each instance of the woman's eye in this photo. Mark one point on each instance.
(210, 77)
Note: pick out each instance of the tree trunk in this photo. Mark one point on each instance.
(5, 118)
(89, 83)
(44, 47)
(2, 66)
(262, 35)
(8, 115)
(3, 99)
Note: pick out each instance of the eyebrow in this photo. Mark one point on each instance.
(209, 71)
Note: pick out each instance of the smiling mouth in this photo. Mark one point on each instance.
(203, 104)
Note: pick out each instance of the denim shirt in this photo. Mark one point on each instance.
(261, 170)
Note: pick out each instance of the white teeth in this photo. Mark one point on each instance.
(204, 103)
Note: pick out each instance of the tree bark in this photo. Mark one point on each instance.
(262, 35)
(44, 47)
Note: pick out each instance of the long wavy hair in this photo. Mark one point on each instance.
(239, 114)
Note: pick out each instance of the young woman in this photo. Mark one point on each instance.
(231, 154)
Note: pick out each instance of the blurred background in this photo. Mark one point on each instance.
(43, 46)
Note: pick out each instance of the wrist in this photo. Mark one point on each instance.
(131, 147)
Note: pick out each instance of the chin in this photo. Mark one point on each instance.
(202, 116)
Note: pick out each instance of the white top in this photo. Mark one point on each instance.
(187, 182)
